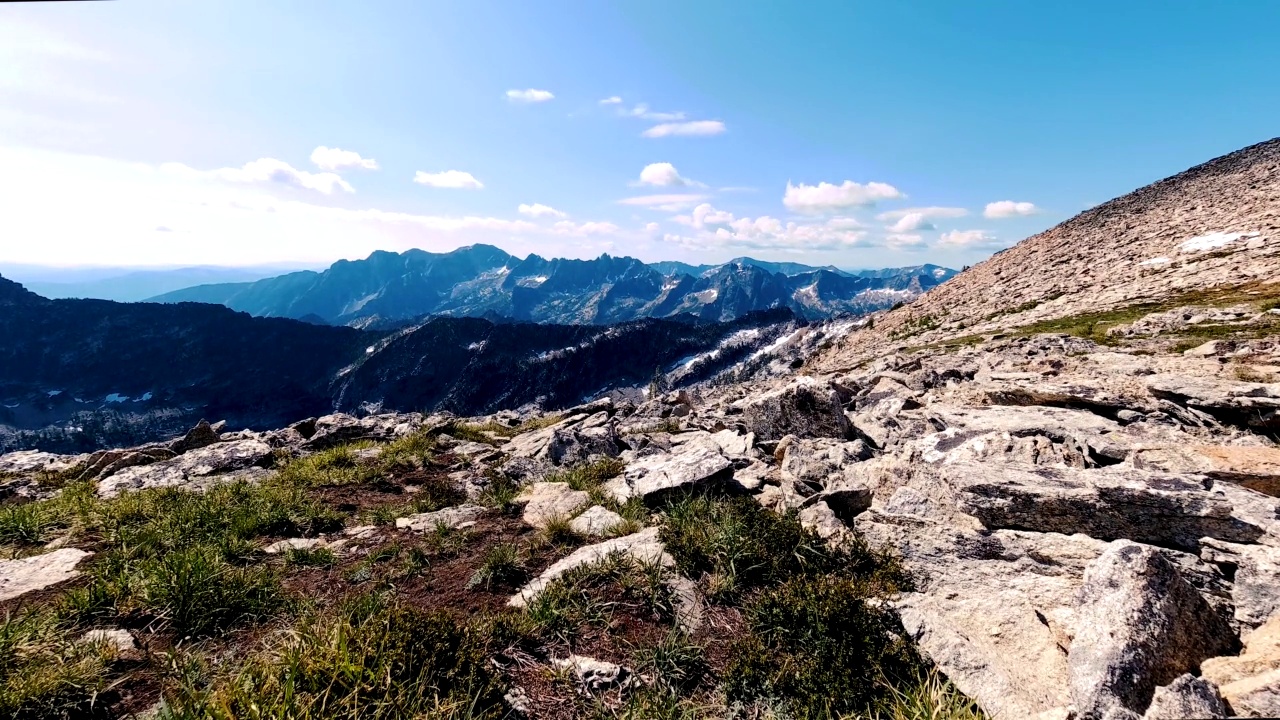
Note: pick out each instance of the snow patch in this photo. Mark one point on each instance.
(1213, 241)
(145, 397)
(54, 393)
(1156, 261)
(116, 398)
(476, 346)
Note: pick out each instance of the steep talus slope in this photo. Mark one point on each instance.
(1216, 225)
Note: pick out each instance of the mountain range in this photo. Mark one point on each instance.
(80, 374)
(390, 289)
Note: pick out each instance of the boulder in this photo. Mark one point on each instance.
(654, 477)
(995, 612)
(195, 469)
(24, 575)
(596, 521)
(201, 435)
(575, 445)
(1139, 625)
(547, 501)
(1255, 578)
(1186, 697)
(454, 517)
(643, 546)
(819, 461)
(806, 408)
(1155, 508)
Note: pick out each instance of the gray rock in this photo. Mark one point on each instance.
(1186, 697)
(30, 461)
(654, 477)
(1255, 587)
(574, 445)
(195, 469)
(592, 675)
(1250, 681)
(201, 435)
(643, 546)
(453, 517)
(24, 575)
(596, 521)
(1154, 508)
(547, 501)
(119, 640)
(820, 461)
(807, 408)
(1139, 625)
(282, 546)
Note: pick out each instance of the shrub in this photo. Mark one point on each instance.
(816, 644)
(369, 659)
(739, 546)
(501, 566)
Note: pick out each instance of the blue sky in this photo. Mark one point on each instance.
(861, 134)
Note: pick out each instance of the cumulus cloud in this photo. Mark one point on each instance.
(1008, 209)
(268, 171)
(530, 95)
(674, 202)
(911, 222)
(643, 112)
(966, 239)
(327, 158)
(718, 228)
(928, 213)
(664, 175)
(538, 210)
(685, 129)
(455, 179)
(826, 197)
(904, 241)
(611, 100)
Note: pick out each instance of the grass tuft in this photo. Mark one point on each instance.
(502, 566)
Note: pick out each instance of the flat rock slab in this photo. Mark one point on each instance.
(282, 546)
(652, 477)
(29, 461)
(596, 521)
(116, 638)
(545, 502)
(643, 546)
(19, 577)
(453, 517)
(191, 469)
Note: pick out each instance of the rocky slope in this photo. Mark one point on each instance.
(1071, 455)
(389, 289)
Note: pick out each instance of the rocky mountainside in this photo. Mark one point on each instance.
(388, 289)
(1058, 499)
(80, 374)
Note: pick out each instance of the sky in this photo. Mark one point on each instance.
(859, 134)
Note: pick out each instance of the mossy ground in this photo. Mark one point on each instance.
(415, 625)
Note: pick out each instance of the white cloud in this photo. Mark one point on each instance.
(455, 179)
(268, 171)
(667, 203)
(1009, 208)
(612, 100)
(212, 221)
(718, 228)
(567, 227)
(911, 222)
(643, 112)
(965, 239)
(826, 197)
(693, 128)
(928, 213)
(327, 158)
(664, 175)
(904, 241)
(538, 210)
(529, 96)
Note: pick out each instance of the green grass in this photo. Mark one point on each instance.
(738, 546)
(589, 476)
(28, 524)
(474, 430)
(45, 675)
(591, 595)
(368, 659)
(333, 467)
(198, 593)
(310, 557)
(819, 647)
(502, 566)
(928, 696)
